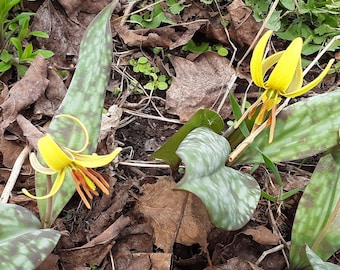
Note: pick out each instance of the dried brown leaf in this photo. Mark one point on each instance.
(64, 34)
(47, 104)
(25, 92)
(154, 261)
(243, 27)
(163, 208)
(31, 133)
(167, 37)
(110, 121)
(198, 84)
(95, 251)
(262, 235)
(10, 151)
(235, 263)
(74, 7)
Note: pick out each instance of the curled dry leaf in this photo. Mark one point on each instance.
(163, 207)
(73, 7)
(25, 92)
(198, 84)
(95, 251)
(31, 133)
(166, 37)
(262, 235)
(243, 27)
(110, 121)
(64, 34)
(47, 104)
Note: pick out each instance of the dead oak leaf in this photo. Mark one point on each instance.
(198, 84)
(163, 206)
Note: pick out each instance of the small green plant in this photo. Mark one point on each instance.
(157, 81)
(14, 32)
(152, 19)
(176, 7)
(205, 47)
(315, 21)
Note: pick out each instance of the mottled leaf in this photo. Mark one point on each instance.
(23, 245)
(202, 118)
(84, 100)
(317, 263)
(316, 221)
(230, 196)
(303, 129)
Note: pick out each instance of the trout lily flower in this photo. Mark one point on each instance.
(60, 159)
(285, 80)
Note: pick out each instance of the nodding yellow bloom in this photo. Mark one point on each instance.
(286, 79)
(60, 159)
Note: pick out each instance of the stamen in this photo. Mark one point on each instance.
(77, 176)
(80, 192)
(97, 179)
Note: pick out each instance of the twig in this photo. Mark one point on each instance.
(272, 9)
(226, 93)
(143, 164)
(320, 54)
(14, 174)
(143, 115)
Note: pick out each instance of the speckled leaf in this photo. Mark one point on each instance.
(230, 196)
(303, 129)
(84, 100)
(23, 245)
(313, 224)
(202, 118)
(317, 263)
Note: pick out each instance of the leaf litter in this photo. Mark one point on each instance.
(143, 223)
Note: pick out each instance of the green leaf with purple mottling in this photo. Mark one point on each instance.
(84, 100)
(230, 196)
(23, 244)
(202, 118)
(314, 224)
(317, 263)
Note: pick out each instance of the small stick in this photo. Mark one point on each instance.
(14, 174)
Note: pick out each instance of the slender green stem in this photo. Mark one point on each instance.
(48, 212)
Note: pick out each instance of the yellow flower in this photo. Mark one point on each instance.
(60, 159)
(286, 79)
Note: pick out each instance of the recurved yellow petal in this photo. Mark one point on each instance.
(55, 188)
(38, 167)
(82, 127)
(284, 71)
(256, 60)
(313, 83)
(94, 160)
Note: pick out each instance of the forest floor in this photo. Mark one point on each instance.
(147, 224)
